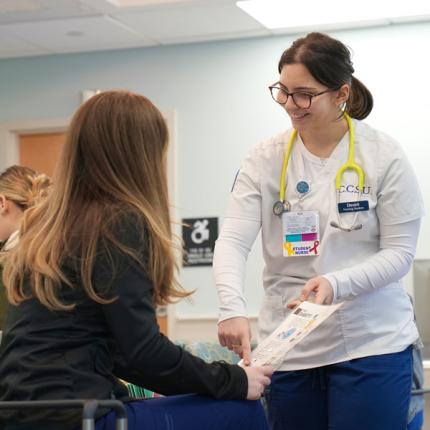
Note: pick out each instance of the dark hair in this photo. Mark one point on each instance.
(329, 62)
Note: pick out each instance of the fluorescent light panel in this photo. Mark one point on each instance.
(277, 14)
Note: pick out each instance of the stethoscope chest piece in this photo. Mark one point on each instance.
(280, 207)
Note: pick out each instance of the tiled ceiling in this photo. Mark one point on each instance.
(43, 27)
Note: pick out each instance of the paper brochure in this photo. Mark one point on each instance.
(300, 322)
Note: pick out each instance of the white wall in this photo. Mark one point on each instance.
(219, 92)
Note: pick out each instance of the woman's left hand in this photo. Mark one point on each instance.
(321, 289)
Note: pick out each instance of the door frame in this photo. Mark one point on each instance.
(9, 150)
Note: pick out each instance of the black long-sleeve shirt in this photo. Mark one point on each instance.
(81, 353)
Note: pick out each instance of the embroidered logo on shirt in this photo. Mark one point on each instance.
(350, 188)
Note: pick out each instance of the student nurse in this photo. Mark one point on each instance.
(339, 208)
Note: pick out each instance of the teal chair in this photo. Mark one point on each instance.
(207, 350)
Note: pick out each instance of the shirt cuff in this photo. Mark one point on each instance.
(332, 281)
(341, 285)
(225, 315)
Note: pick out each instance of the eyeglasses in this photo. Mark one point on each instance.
(301, 99)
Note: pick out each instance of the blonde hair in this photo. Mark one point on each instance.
(112, 166)
(24, 186)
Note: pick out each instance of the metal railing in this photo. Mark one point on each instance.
(420, 391)
(89, 407)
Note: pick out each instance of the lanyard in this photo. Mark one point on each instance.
(349, 165)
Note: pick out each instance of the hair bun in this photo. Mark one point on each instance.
(23, 186)
(39, 188)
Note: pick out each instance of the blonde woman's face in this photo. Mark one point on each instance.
(10, 218)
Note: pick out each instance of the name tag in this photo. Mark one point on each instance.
(361, 205)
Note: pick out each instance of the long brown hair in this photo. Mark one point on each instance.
(329, 62)
(112, 165)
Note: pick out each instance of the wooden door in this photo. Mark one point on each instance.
(40, 152)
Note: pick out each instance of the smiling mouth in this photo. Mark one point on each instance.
(299, 116)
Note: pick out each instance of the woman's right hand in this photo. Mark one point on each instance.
(235, 334)
(258, 380)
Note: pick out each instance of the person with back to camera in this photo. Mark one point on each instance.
(92, 261)
(339, 208)
(20, 189)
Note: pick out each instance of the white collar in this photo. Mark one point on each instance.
(12, 241)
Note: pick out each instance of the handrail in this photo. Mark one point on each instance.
(89, 406)
(420, 391)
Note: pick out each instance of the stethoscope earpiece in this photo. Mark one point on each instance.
(352, 228)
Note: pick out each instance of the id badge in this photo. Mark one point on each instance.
(301, 233)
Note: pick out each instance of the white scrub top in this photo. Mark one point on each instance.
(376, 322)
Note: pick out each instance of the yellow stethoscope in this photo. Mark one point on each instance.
(282, 205)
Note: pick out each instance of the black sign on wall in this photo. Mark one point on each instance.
(199, 236)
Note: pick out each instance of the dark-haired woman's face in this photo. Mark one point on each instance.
(296, 78)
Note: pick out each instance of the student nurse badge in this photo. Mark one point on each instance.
(300, 233)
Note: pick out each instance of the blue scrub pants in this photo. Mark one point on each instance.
(190, 412)
(417, 422)
(370, 393)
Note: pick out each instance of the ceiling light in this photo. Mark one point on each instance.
(277, 14)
